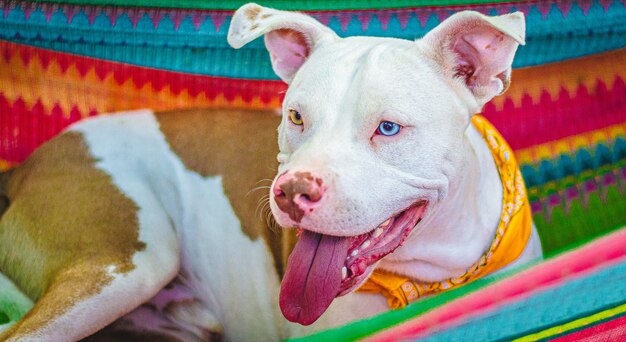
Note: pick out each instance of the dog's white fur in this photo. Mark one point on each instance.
(343, 88)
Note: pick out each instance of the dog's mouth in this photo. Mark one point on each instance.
(322, 267)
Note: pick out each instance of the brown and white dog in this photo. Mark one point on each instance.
(151, 221)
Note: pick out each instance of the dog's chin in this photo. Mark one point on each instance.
(322, 267)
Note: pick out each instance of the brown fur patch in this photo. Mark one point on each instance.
(65, 225)
(240, 146)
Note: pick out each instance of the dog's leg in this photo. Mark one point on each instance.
(85, 298)
(88, 241)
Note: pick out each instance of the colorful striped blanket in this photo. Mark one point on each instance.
(564, 116)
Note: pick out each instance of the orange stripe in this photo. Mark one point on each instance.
(53, 86)
(567, 74)
(553, 149)
(68, 89)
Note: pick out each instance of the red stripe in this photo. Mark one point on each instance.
(33, 127)
(601, 253)
(614, 330)
(551, 119)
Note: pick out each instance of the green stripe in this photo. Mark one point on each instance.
(363, 328)
(585, 219)
(13, 303)
(279, 4)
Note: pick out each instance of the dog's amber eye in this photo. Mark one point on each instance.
(295, 117)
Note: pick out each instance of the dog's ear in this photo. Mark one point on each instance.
(478, 50)
(290, 37)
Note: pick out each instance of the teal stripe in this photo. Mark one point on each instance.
(204, 51)
(579, 165)
(255, 63)
(281, 4)
(572, 300)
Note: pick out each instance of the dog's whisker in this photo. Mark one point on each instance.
(266, 214)
(271, 222)
(257, 189)
(264, 200)
(261, 206)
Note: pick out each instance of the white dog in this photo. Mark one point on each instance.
(396, 189)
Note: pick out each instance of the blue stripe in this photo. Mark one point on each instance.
(574, 299)
(205, 51)
(576, 163)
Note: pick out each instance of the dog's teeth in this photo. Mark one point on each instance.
(344, 273)
(354, 252)
(365, 244)
(377, 232)
(386, 223)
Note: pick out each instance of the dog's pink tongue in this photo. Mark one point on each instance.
(313, 276)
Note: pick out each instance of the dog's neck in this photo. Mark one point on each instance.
(461, 227)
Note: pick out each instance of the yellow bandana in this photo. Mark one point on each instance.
(511, 237)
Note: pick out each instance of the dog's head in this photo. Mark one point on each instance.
(371, 136)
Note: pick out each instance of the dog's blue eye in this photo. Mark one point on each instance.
(388, 128)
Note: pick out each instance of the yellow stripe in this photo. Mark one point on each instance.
(553, 149)
(574, 324)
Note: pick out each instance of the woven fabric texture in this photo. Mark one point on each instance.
(564, 116)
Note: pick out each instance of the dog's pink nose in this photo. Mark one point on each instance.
(297, 193)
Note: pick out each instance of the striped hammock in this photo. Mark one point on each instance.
(564, 115)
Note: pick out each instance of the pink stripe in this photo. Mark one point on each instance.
(587, 259)
(533, 122)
